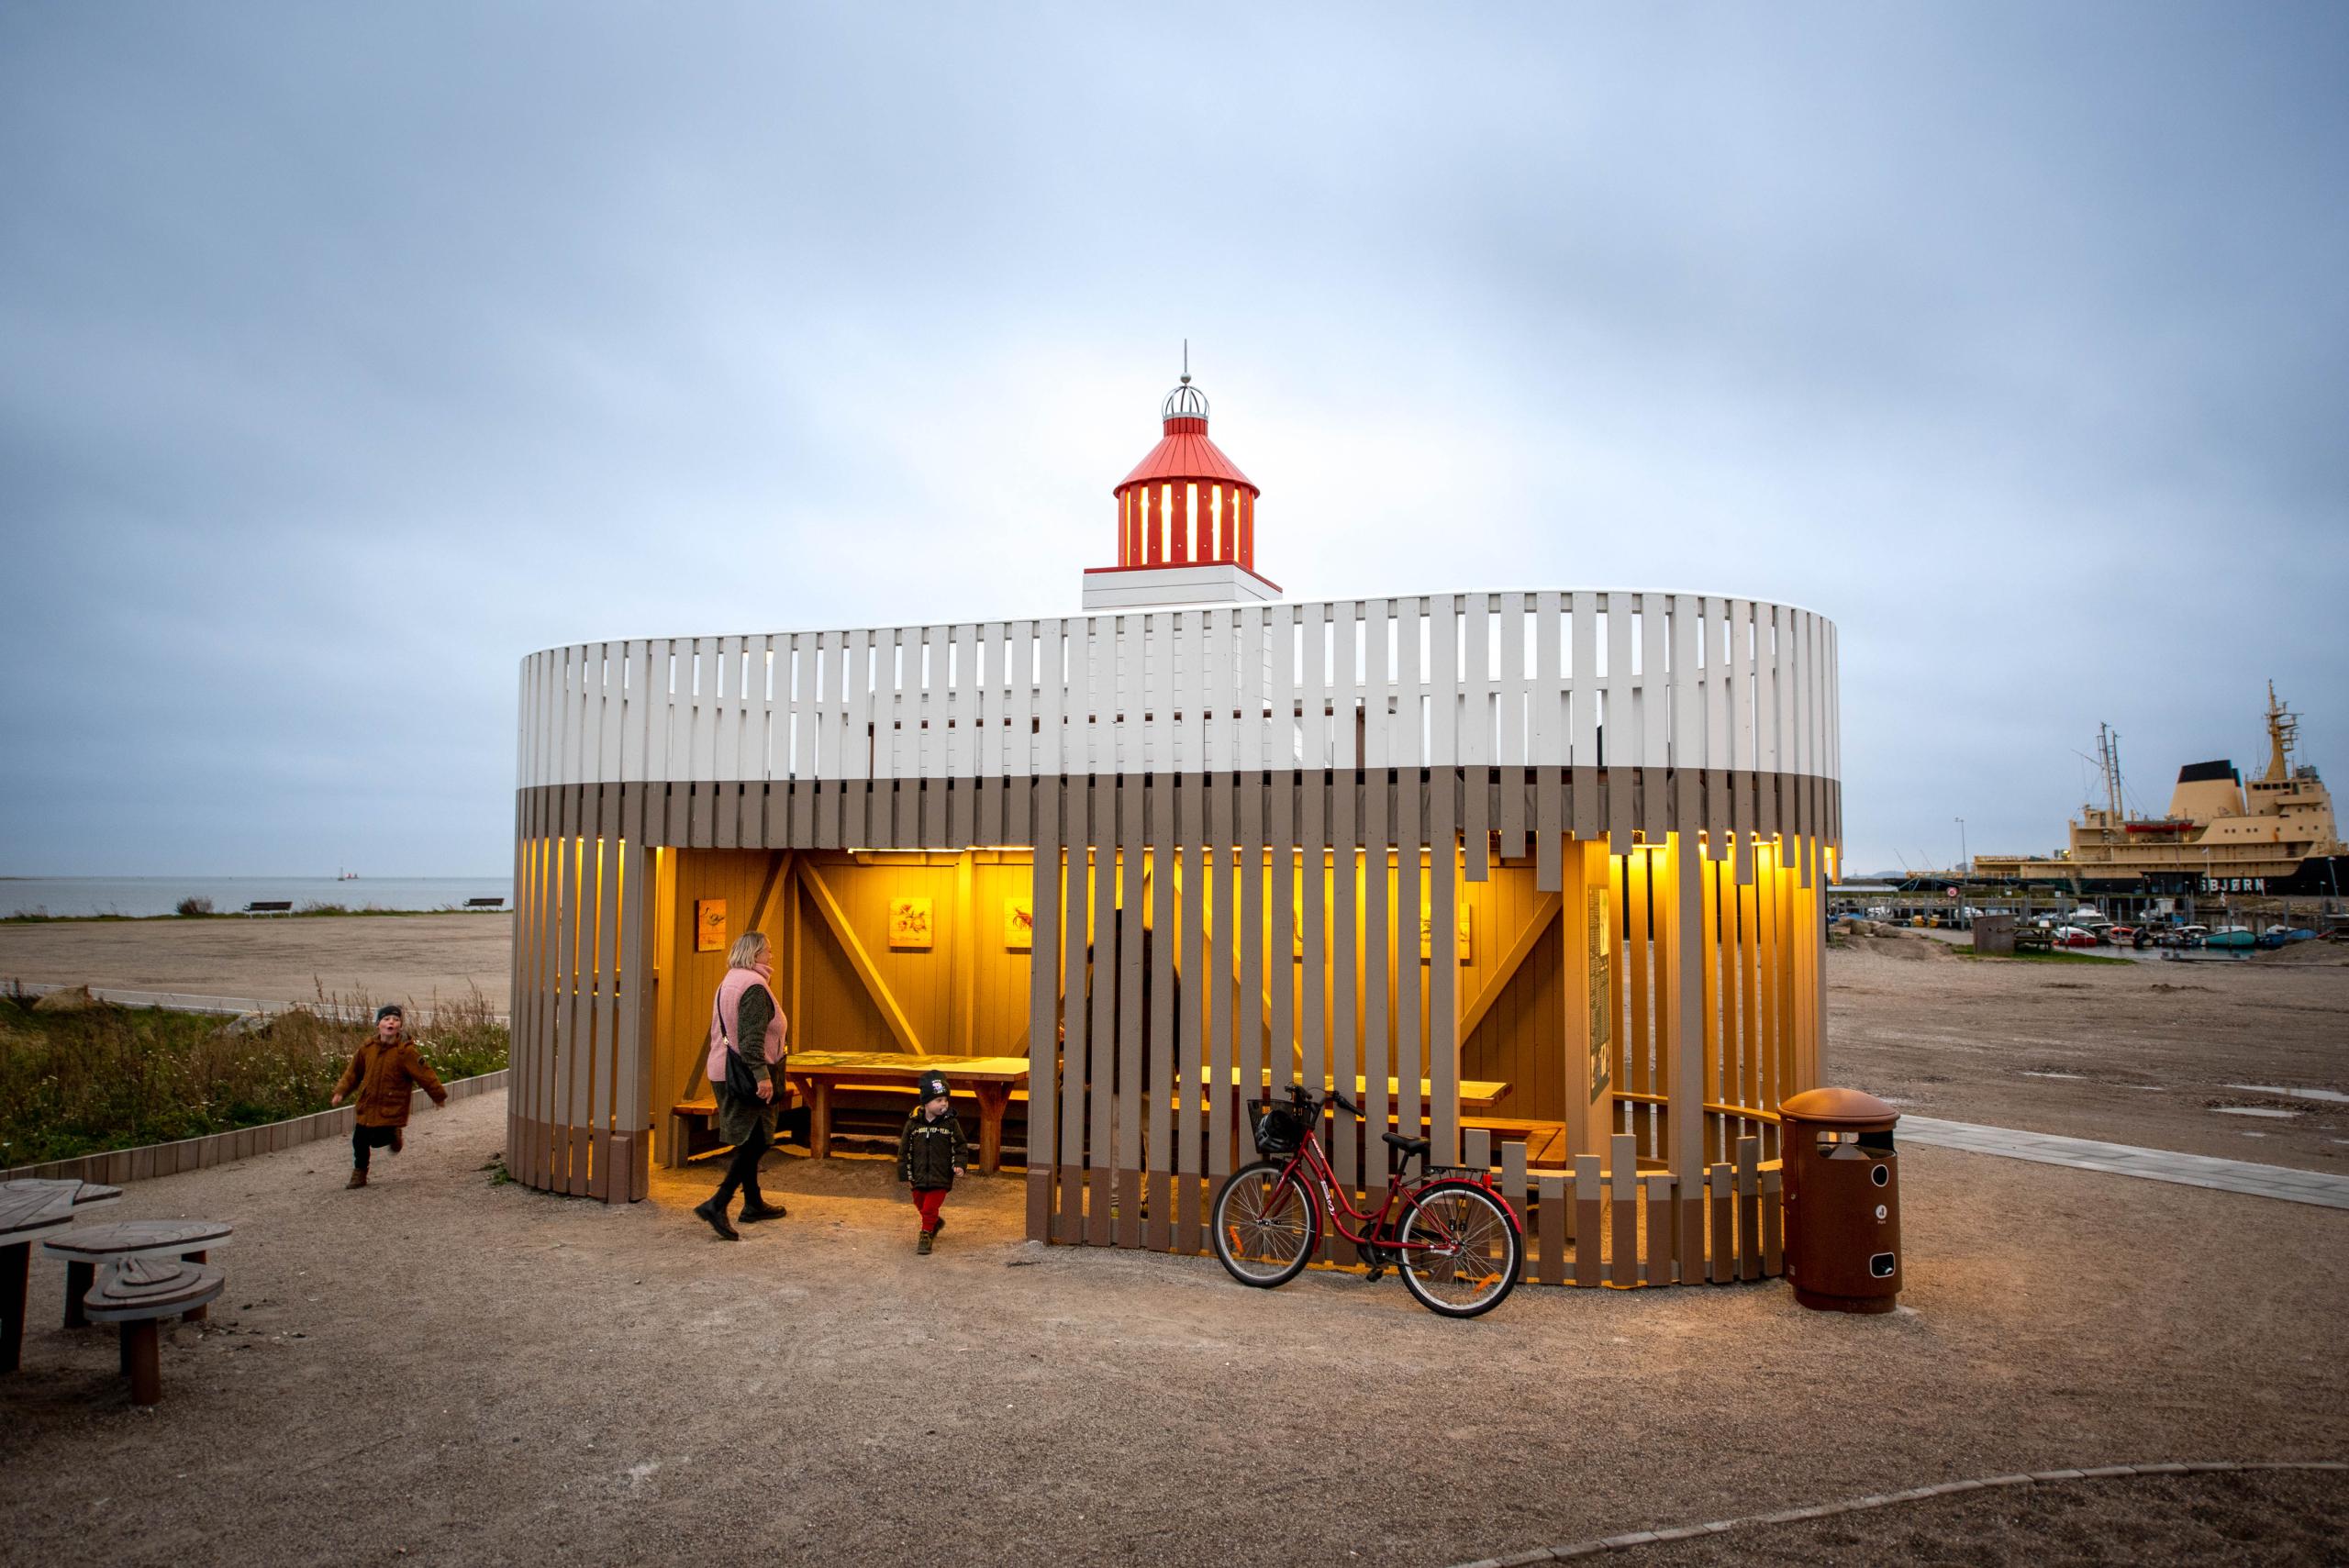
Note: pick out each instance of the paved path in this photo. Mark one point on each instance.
(2128, 1160)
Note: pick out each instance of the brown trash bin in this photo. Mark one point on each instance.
(1842, 1202)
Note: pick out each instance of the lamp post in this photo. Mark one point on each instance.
(1964, 860)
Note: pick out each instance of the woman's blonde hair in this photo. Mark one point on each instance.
(746, 949)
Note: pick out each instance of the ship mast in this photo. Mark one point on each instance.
(2283, 727)
(2108, 746)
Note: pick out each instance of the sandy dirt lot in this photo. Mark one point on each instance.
(468, 1372)
(2130, 1052)
(413, 957)
(478, 1373)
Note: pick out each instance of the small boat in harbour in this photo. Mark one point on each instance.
(2229, 937)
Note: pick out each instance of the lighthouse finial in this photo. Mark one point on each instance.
(1186, 362)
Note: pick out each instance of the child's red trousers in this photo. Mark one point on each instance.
(929, 1200)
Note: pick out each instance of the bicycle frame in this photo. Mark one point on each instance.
(1338, 1208)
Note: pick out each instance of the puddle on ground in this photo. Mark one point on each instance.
(2269, 1112)
(2330, 1096)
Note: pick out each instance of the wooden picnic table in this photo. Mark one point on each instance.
(28, 1210)
(1476, 1093)
(816, 1074)
(85, 1246)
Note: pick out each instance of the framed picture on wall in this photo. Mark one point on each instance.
(1466, 944)
(1020, 923)
(709, 925)
(910, 924)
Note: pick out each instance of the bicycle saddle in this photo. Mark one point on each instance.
(1408, 1146)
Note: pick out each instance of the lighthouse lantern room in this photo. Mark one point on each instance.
(1187, 521)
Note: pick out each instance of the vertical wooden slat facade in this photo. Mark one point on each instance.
(1231, 827)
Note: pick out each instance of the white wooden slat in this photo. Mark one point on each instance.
(1622, 723)
(1445, 681)
(1406, 745)
(1474, 706)
(1020, 749)
(1378, 683)
(1585, 684)
(1514, 738)
(1658, 679)
(1280, 739)
(1314, 686)
(1248, 689)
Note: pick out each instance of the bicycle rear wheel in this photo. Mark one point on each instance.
(1471, 1252)
(1265, 1226)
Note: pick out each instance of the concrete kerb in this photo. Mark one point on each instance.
(116, 1167)
(1625, 1542)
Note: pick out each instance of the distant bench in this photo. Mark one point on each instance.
(496, 903)
(270, 907)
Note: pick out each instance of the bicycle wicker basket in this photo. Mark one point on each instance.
(1279, 1129)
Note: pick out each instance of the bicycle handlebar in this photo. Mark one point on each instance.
(1303, 1098)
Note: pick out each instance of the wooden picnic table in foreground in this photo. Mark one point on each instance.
(28, 1210)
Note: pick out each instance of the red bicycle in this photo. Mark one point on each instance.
(1453, 1236)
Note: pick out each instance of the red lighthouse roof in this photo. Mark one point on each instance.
(1186, 504)
(1183, 450)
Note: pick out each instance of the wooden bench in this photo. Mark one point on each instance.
(86, 1248)
(137, 1292)
(496, 903)
(687, 1116)
(269, 907)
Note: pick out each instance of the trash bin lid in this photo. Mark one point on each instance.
(1838, 1107)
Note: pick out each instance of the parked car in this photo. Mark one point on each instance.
(2073, 937)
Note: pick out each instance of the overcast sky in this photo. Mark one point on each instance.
(351, 353)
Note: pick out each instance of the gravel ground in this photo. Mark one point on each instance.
(2252, 1519)
(471, 1373)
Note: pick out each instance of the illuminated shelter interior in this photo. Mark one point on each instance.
(1174, 853)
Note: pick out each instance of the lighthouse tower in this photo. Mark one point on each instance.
(1187, 521)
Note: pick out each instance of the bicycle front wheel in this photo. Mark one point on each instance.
(1265, 1225)
(1466, 1260)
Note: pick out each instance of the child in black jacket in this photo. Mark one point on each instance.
(930, 1153)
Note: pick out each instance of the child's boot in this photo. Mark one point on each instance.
(399, 1138)
(358, 1178)
(922, 1246)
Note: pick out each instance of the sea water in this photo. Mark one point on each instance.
(62, 896)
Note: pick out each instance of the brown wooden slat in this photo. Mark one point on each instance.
(1101, 1038)
(1043, 1020)
(1749, 1209)
(1159, 1147)
(1129, 1111)
(1622, 1183)
(1552, 1218)
(1589, 1244)
(1658, 1185)
(1723, 1247)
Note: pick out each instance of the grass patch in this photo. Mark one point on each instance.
(107, 1077)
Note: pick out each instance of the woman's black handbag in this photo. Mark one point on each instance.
(739, 1079)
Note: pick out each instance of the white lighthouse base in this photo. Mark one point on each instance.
(1142, 587)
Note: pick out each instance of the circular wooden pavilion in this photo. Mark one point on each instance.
(1535, 872)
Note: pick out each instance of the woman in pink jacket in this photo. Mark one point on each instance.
(746, 1024)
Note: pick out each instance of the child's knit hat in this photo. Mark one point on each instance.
(932, 1086)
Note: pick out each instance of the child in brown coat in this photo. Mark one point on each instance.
(385, 1072)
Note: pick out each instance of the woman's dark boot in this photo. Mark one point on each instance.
(714, 1211)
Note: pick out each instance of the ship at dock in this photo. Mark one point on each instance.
(2270, 835)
